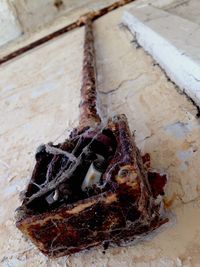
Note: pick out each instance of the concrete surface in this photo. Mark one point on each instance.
(40, 18)
(187, 9)
(37, 14)
(176, 49)
(9, 24)
(39, 95)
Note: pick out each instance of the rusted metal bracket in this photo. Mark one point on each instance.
(63, 210)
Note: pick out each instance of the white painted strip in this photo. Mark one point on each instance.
(172, 41)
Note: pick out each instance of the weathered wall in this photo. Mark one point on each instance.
(188, 9)
(36, 18)
(36, 14)
(9, 24)
(27, 16)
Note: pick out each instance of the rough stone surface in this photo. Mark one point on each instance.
(39, 95)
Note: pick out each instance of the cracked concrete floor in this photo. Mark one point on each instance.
(39, 94)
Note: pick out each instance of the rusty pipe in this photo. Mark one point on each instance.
(88, 110)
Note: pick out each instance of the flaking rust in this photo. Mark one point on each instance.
(94, 188)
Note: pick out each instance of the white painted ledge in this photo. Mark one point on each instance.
(9, 25)
(172, 41)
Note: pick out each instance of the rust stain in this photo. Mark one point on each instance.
(169, 202)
